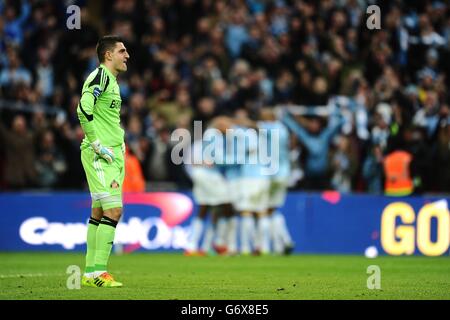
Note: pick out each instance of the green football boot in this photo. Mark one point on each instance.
(106, 280)
(87, 281)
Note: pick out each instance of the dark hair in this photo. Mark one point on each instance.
(106, 43)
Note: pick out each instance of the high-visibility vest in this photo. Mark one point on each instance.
(398, 180)
(134, 179)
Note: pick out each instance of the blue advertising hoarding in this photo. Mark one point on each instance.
(321, 223)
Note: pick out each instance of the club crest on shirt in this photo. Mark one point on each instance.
(114, 184)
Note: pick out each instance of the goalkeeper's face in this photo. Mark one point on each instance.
(120, 57)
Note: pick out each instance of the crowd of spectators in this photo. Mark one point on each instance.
(194, 60)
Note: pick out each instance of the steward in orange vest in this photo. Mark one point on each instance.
(398, 181)
(134, 179)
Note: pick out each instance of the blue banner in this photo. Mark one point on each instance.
(326, 222)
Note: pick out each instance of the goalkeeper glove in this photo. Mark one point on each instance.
(103, 152)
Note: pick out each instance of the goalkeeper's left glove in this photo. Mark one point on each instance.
(103, 152)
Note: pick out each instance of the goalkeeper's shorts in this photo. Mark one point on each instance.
(105, 180)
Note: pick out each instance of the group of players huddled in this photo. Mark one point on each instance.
(240, 183)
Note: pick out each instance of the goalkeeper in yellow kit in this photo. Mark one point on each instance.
(102, 156)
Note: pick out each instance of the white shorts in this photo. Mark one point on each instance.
(210, 188)
(234, 190)
(278, 192)
(253, 194)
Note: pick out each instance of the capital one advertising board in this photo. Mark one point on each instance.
(320, 223)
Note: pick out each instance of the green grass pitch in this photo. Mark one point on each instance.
(174, 276)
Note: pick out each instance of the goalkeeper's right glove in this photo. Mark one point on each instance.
(103, 152)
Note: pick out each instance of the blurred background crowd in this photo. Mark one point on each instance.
(194, 60)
